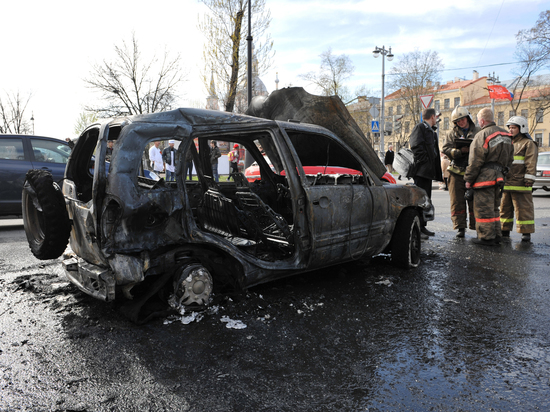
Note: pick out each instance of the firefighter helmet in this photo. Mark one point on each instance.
(520, 122)
(458, 113)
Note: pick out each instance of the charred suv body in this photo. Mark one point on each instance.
(127, 231)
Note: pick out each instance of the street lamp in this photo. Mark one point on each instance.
(32, 120)
(382, 51)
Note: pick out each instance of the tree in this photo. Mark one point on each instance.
(12, 112)
(84, 120)
(224, 53)
(132, 84)
(333, 73)
(533, 54)
(362, 107)
(411, 77)
(538, 36)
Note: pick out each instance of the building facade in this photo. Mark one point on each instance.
(533, 103)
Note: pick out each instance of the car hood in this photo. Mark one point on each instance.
(294, 103)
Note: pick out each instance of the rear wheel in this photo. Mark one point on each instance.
(405, 243)
(192, 286)
(45, 217)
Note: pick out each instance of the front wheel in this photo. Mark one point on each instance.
(405, 243)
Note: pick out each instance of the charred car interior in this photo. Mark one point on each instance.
(139, 237)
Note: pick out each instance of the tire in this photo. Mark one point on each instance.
(405, 243)
(45, 217)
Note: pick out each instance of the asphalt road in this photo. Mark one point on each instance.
(466, 331)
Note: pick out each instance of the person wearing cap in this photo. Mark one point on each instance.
(234, 158)
(457, 148)
(517, 193)
(169, 157)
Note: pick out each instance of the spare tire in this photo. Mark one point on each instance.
(45, 217)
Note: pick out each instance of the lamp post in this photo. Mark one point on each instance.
(249, 42)
(382, 51)
(32, 121)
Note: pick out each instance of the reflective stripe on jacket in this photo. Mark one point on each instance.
(490, 145)
(524, 166)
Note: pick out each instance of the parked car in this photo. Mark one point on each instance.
(19, 153)
(253, 171)
(136, 237)
(542, 180)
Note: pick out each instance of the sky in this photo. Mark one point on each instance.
(49, 47)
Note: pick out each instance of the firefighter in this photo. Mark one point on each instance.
(518, 187)
(491, 155)
(457, 151)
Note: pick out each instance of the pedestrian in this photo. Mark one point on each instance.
(169, 156)
(155, 157)
(518, 186)
(490, 157)
(234, 158)
(109, 151)
(215, 154)
(188, 169)
(70, 142)
(427, 163)
(388, 159)
(457, 148)
(445, 163)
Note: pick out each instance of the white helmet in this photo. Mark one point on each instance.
(520, 122)
(458, 113)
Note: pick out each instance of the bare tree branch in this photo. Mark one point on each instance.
(131, 84)
(12, 113)
(533, 54)
(224, 53)
(333, 73)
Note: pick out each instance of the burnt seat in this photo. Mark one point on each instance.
(218, 214)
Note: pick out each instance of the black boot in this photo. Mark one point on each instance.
(427, 232)
(485, 242)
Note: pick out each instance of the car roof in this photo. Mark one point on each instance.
(29, 136)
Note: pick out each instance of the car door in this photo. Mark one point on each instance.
(14, 163)
(339, 206)
(49, 154)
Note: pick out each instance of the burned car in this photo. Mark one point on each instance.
(137, 237)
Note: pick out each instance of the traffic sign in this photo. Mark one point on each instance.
(374, 126)
(426, 100)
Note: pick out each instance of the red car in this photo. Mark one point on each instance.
(253, 171)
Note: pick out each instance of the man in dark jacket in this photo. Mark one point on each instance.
(388, 159)
(215, 154)
(491, 155)
(425, 147)
(170, 161)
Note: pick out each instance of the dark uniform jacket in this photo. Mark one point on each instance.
(490, 151)
(459, 160)
(214, 155)
(524, 166)
(388, 158)
(167, 157)
(425, 147)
